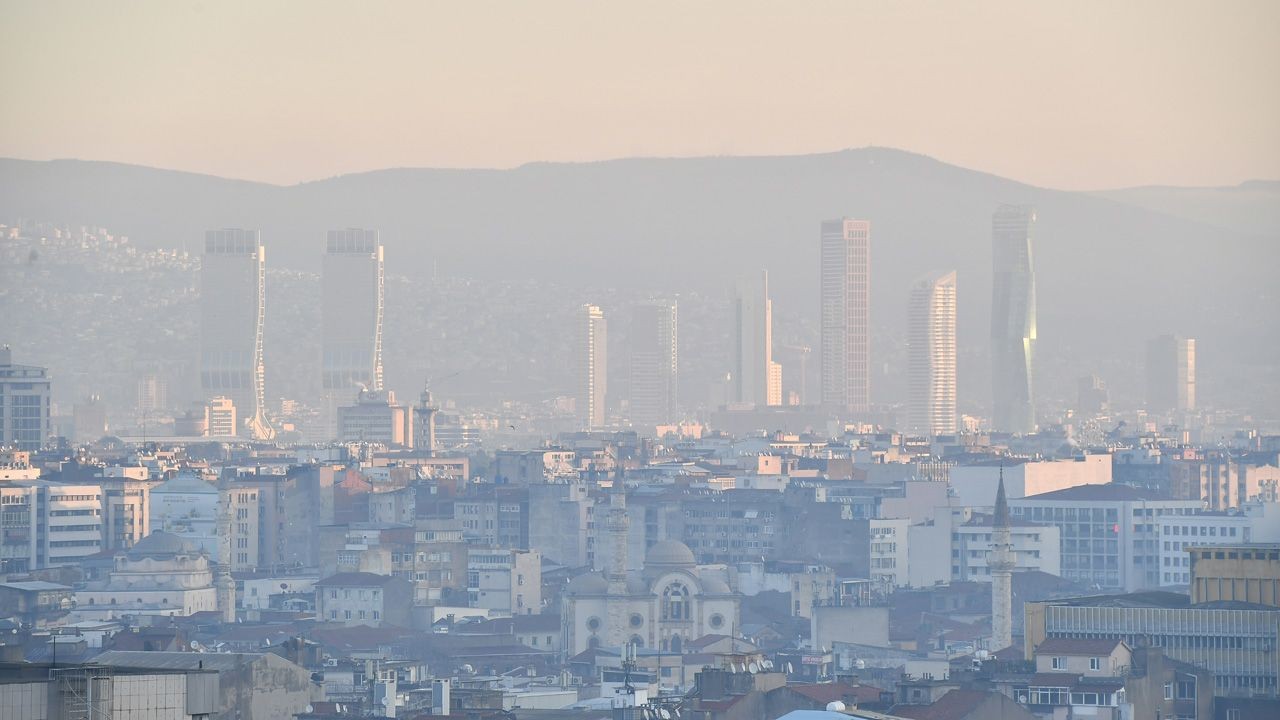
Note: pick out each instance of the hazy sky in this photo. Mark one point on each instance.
(1077, 95)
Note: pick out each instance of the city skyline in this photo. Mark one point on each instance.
(519, 419)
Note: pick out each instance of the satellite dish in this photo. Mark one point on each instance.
(789, 669)
(310, 709)
(666, 714)
(835, 706)
(753, 667)
(860, 664)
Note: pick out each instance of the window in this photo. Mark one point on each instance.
(1168, 691)
(1058, 663)
(675, 602)
(1095, 663)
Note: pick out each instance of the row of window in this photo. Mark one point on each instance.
(360, 614)
(364, 594)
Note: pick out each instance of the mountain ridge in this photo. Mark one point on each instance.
(1109, 273)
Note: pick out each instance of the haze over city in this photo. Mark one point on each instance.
(733, 361)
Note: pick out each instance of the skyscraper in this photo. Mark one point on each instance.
(845, 284)
(592, 337)
(931, 360)
(754, 376)
(351, 318)
(1171, 374)
(653, 363)
(1013, 319)
(232, 313)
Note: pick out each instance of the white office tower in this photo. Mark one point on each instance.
(1001, 562)
(931, 354)
(351, 319)
(845, 284)
(592, 359)
(653, 363)
(753, 375)
(1013, 319)
(232, 313)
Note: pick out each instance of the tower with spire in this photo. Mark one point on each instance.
(617, 525)
(1001, 561)
(425, 423)
(224, 584)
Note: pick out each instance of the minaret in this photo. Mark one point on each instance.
(425, 440)
(222, 582)
(1001, 561)
(616, 526)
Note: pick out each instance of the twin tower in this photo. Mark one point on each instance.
(233, 315)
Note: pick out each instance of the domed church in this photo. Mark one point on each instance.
(664, 605)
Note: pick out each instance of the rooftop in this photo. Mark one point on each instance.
(955, 704)
(1075, 646)
(1111, 492)
(355, 579)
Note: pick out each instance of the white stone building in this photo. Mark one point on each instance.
(667, 604)
(161, 575)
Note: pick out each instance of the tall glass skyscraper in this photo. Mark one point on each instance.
(232, 313)
(1013, 319)
(756, 377)
(931, 354)
(351, 318)
(653, 363)
(845, 281)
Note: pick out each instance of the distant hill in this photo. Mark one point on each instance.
(1113, 268)
(1251, 207)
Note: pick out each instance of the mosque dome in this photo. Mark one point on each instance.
(669, 553)
(588, 584)
(714, 586)
(161, 544)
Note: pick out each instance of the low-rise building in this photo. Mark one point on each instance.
(507, 581)
(361, 598)
(1234, 641)
(1244, 573)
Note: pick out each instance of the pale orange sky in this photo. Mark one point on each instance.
(1075, 95)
